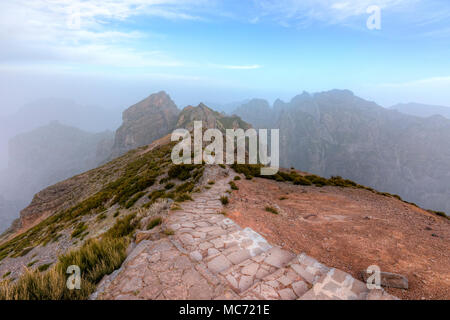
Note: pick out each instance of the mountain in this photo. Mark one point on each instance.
(422, 110)
(144, 122)
(209, 117)
(46, 155)
(39, 113)
(157, 116)
(338, 133)
(227, 108)
(258, 110)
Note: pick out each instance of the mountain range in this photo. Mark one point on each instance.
(328, 133)
(338, 133)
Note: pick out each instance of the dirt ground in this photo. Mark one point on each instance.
(351, 229)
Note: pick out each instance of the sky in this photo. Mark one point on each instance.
(114, 53)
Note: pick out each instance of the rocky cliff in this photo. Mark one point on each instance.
(144, 122)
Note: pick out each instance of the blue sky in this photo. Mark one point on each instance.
(120, 51)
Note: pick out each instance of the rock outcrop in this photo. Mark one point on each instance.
(209, 118)
(144, 122)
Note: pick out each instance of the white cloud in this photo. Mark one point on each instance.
(80, 31)
(301, 12)
(244, 67)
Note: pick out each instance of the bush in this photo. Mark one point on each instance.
(181, 171)
(154, 222)
(210, 182)
(302, 181)
(79, 229)
(271, 210)
(224, 200)
(44, 267)
(237, 178)
(169, 186)
(183, 197)
(233, 185)
(123, 227)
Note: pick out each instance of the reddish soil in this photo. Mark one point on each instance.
(351, 229)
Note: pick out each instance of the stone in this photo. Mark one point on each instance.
(239, 256)
(197, 256)
(278, 257)
(218, 264)
(250, 270)
(300, 288)
(287, 294)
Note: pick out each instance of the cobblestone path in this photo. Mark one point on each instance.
(211, 257)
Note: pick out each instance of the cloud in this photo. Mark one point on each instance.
(244, 67)
(304, 12)
(91, 32)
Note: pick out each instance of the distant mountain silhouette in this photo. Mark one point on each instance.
(422, 110)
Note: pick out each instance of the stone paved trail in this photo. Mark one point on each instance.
(211, 257)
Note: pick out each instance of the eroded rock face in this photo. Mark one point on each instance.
(144, 122)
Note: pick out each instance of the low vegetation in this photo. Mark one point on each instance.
(96, 258)
(271, 210)
(224, 200)
(233, 185)
(154, 222)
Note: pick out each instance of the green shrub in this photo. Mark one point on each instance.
(32, 263)
(169, 232)
(233, 185)
(237, 178)
(134, 199)
(6, 274)
(154, 222)
(181, 171)
(183, 197)
(302, 181)
(224, 200)
(185, 187)
(44, 267)
(101, 217)
(271, 210)
(123, 227)
(210, 182)
(169, 186)
(439, 213)
(79, 229)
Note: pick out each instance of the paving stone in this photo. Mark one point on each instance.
(196, 256)
(287, 294)
(219, 264)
